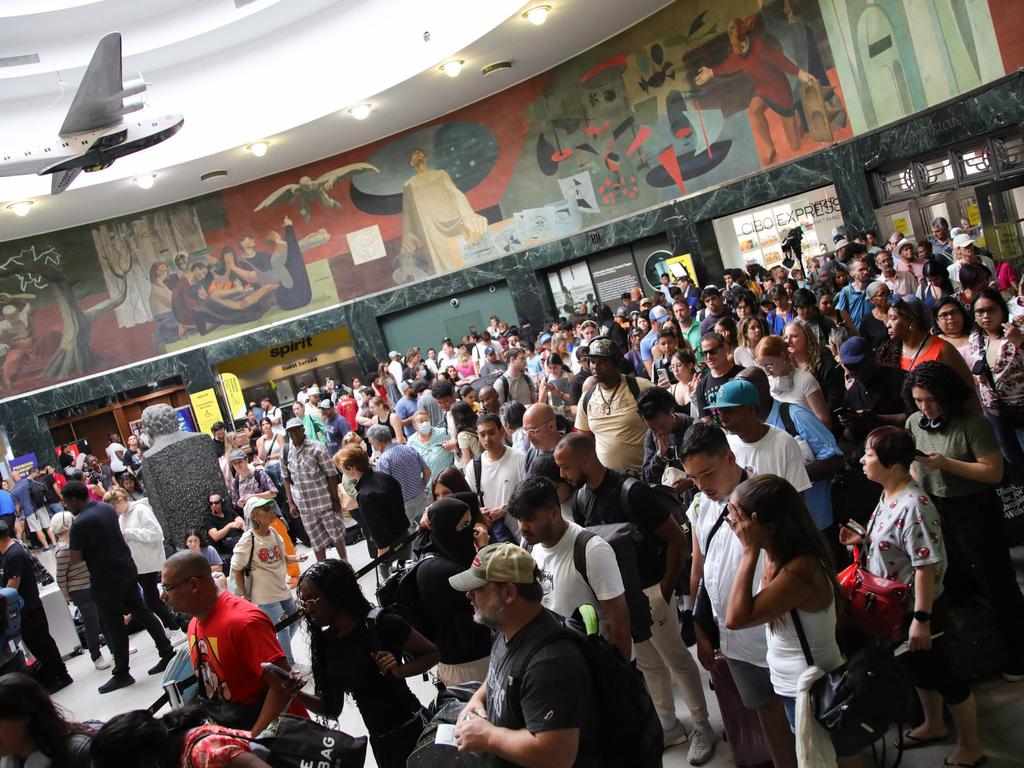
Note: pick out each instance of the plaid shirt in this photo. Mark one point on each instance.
(308, 468)
(404, 463)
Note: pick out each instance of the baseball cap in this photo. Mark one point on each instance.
(840, 243)
(647, 301)
(294, 423)
(255, 501)
(237, 455)
(488, 350)
(393, 353)
(603, 347)
(496, 563)
(622, 312)
(962, 240)
(855, 350)
(734, 393)
(658, 314)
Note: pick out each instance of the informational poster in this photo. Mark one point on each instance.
(186, 419)
(757, 235)
(614, 274)
(24, 463)
(233, 392)
(206, 408)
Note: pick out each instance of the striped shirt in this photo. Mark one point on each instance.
(70, 577)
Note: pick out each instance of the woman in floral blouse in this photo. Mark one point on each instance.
(996, 354)
(904, 543)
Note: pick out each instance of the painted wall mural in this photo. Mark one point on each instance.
(698, 94)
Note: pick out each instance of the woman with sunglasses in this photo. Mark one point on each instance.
(357, 649)
(959, 467)
(996, 353)
(910, 327)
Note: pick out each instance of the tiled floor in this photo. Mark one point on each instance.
(1001, 705)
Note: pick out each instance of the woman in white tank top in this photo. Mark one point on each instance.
(767, 513)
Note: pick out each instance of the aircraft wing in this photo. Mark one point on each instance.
(62, 180)
(98, 102)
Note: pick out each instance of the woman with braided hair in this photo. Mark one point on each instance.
(365, 651)
(959, 466)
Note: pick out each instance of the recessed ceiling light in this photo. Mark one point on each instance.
(453, 67)
(21, 208)
(211, 175)
(259, 148)
(146, 181)
(498, 66)
(538, 14)
(360, 111)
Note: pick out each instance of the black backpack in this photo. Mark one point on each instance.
(630, 731)
(400, 592)
(624, 539)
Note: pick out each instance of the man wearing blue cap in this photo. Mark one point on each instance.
(767, 450)
(876, 398)
(657, 316)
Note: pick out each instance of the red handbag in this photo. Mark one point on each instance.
(875, 604)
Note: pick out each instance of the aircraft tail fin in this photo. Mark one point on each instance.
(98, 102)
(62, 180)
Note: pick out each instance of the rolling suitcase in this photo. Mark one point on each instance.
(742, 728)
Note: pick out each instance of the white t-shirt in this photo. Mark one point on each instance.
(795, 390)
(499, 479)
(395, 370)
(565, 590)
(116, 465)
(721, 562)
(302, 396)
(276, 420)
(774, 454)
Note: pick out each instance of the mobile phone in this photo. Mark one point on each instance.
(842, 413)
(662, 376)
(269, 667)
(852, 525)
(919, 452)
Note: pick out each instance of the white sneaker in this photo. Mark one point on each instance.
(676, 735)
(101, 663)
(702, 745)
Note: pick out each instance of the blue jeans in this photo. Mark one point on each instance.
(281, 610)
(1011, 439)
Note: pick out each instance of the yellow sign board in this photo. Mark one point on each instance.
(677, 264)
(288, 350)
(973, 214)
(233, 390)
(900, 224)
(207, 409)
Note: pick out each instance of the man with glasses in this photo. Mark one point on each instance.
(222, 526)
(721, 369)
(541, 427)
(229, 640)
(97, 540)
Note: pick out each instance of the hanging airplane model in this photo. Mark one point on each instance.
(95, 132)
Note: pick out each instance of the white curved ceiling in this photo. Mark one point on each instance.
(281, 70)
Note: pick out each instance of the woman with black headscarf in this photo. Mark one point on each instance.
(464, 645)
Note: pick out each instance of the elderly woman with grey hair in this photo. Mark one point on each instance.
(406, 465)
(872, 325)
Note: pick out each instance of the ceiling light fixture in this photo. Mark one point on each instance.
(146, 181)
(211, 175)
(259, 148)
(21, 208)
(452, 68)
(361, 111)
(538, 14)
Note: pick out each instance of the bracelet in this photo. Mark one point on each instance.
(922, 616)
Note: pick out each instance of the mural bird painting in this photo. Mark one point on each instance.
(308, 191)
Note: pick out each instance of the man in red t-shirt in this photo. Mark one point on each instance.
(349, 409)
(229, 639)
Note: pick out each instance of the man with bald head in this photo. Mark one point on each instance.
(228, 638)
(822, 457)
(541, 429)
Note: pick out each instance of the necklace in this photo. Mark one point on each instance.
(606, 402)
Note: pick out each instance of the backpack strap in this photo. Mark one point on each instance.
(284, 453)
(634, 388)
(787, 419)
(478, 468)
(579, 553)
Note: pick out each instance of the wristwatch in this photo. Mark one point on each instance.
(922, 616)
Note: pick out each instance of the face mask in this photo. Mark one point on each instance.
(424, 428)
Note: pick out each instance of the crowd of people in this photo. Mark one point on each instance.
(695, 465)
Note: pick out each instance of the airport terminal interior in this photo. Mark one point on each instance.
(572, 383)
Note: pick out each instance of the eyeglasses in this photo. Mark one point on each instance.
(537, 429)
(172, 587)
(947, 315)
(306, 602)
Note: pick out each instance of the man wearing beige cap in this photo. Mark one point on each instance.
(536, 705)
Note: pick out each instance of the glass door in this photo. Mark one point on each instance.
(1001, 206)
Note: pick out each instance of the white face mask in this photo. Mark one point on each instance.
(424, 428)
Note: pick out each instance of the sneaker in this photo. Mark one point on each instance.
(101, 662)
(676, 735)
(161, 665)
(117, 682)
(1013, 675)
(702, 744)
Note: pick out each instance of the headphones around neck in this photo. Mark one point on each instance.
(931, 425)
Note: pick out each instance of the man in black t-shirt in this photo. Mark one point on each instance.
(224, 528)
(537, 687)
(97, 540)
(16, 564)
(876, 398)
(663, 656)
(722, 369)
